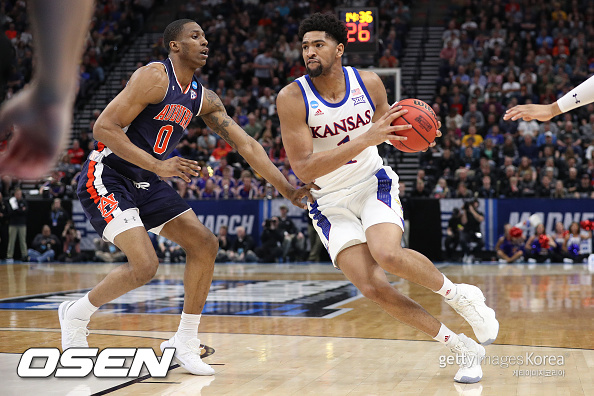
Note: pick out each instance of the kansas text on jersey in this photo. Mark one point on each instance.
(333, 124)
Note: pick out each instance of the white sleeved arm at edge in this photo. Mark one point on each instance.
(581, 95)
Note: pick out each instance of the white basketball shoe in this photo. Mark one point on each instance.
(469, 356)
(470, 303)
(187, 354)
(74, 331)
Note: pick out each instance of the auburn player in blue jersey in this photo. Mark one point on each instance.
(123, 195)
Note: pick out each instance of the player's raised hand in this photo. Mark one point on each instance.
(531, 112)
(40, 127)
(177, 166)
(296, 196)
(383, 130)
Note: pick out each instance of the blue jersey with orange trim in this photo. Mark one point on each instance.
(159, 127)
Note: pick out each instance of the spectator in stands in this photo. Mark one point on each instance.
(17, 224)
(452, 239)
(58, 217)
(169, 251)
(108, 252)
(560, 191)
(221, 150)
(277, 152)
(510, 246)
(470, 233)
(294, 241)
(572, 183)
(264, 64)
(528, 148)
(512, 188)
(254, 127)
(544, 188)
(511, 87)
(420, 190)
(585, 189)
(447, 162)
(509, 147)
(477, 139)
(53, 187)
(71, 238)
(462, 191)
(490, 151)
(271, 239)
(486, 190)
(527, 185)
(209, 191)
(441, 190)
(225, 242)
(44, 246)
(4, 214)
(388, 60)
(246, 188)
(206, 143)
(473, 112)
(454, 120)
(243, 247)
(188, 145)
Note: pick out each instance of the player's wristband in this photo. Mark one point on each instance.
(581, 95)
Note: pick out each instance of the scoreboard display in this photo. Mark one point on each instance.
(361, 24)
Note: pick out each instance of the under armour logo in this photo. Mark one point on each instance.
(133, 219)
(576, 99)
(447, 338)
(142, 185)
(448, 292)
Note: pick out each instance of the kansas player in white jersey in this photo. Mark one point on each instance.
(123, 195)
(331, 122)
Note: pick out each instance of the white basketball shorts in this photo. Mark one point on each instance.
(342, 217)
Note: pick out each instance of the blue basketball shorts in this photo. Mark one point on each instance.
(114, 203)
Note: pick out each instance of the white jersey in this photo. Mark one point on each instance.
(333, 124)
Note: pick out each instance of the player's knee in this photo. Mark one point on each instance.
(389, 258)
(145, 272)
(207, 245)
(372, 292)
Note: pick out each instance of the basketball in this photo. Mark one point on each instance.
(424, 126)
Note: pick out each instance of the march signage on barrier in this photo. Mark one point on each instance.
(550, 211)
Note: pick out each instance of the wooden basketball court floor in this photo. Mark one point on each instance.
(304, 330)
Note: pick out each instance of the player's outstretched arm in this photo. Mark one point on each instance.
(216, 117)
(581, 95)
(298, 141)
(147, 85)
(39, 116)
(531, 112)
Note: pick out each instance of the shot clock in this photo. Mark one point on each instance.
(361, 29)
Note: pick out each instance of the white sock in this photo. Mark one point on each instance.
(446, 336)
(188, 327)
(448, 290)
(81, 309)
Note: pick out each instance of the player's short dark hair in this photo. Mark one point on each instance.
(328, 23)
(173, 31)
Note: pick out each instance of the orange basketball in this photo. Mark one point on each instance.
(424, 126)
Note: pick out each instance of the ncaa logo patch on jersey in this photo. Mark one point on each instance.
(194, 85)
(314, 104)
(359, 99)
(193, 94)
